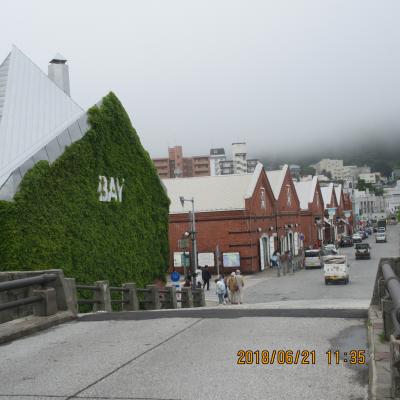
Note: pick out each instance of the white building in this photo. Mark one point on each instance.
(368, 178)
(367, 205)
(392, 199)
(216, 156)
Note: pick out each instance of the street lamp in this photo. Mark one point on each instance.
(192, 235)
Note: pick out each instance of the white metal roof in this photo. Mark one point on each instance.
(212, 193)
(305, 192)
(59, 57)
(276, 179)
(327, 194)
(338, 192)
(35, 111)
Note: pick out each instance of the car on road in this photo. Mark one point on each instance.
(328, 250)
(312, 259)
(357, 238)
(346, 241)
(364, 235)
(380, 237)
(336, 269)
(381, 229)
(363, 251)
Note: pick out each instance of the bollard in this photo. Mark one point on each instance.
(152, 298)
(199, 299)
(387, 307)
(278, 270)
(130, 298)
(48, 305)
(171, 301)
(187, 297)
(102, 296)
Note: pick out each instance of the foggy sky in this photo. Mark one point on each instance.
(280, 74)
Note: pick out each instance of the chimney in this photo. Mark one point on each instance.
(58, 72)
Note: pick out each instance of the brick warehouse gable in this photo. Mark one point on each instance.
(232, 230)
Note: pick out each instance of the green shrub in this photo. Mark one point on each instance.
(57, 220)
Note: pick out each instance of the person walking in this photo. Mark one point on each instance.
(221, 289)
(206, 276)
(240, 284)
(233, 288)
(227, 295)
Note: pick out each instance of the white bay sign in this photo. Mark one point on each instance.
(110, 189)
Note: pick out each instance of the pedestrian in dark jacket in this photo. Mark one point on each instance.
(206, 276)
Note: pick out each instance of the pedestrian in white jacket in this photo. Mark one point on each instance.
(221, 289)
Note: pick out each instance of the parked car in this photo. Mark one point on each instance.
(357, 238)
(312, 259)
(346, 241)
(380, 237)
(369, 231)
(336, 269)
(364, 235)
(363, 251)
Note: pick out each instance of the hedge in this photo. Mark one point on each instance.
(57, 220)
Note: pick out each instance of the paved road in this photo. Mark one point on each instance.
(309, 284)
(185, 358)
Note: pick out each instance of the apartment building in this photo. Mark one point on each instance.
(177, 166)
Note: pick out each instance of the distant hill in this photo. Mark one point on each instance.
(382, 155)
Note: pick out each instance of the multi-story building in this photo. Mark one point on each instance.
(392, 199)
(177, 166)
(368, 178)
(216, 156)
(334, 167)
(367, 205)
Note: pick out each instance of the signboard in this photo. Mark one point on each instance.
(181, 259)
(183, 243)
(205, 259)
(175, 276)
(178, 258)
(231, 260)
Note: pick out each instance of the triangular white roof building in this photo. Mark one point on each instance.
(37, 120)
(305, 192)
(212, 193)
(276, 179)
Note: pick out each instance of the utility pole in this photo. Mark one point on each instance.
(192, 235)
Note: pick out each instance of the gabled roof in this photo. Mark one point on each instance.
(34, 111)
(338, 192)
(327, 192)
(276, 179)
(212, 193)
(305, 192)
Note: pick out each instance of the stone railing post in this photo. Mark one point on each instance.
(152, 298)
(186, 297)
(103, 297)
(171, 297)
(48, 305)
(387, 307)
(394, 369)
(199, 299)
(130, 297)
(71, 295)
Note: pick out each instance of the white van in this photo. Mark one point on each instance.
(312, 259)
(336, 268)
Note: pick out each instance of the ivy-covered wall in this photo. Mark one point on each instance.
(57, 220)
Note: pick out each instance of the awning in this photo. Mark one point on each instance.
(327, 221)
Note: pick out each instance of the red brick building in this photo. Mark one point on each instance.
(233, 212)
(330, 201)
(312, 212)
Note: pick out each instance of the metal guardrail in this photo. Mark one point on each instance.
(22, 283)
(392, 283)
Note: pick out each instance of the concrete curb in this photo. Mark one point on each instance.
(20, 327)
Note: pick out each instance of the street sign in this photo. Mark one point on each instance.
(183, 243)
(301, 237)
(175, 276)
(185, 257)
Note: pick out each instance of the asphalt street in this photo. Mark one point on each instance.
(310, 284)
(185, 358)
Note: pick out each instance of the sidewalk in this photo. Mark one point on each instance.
(249, 281)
